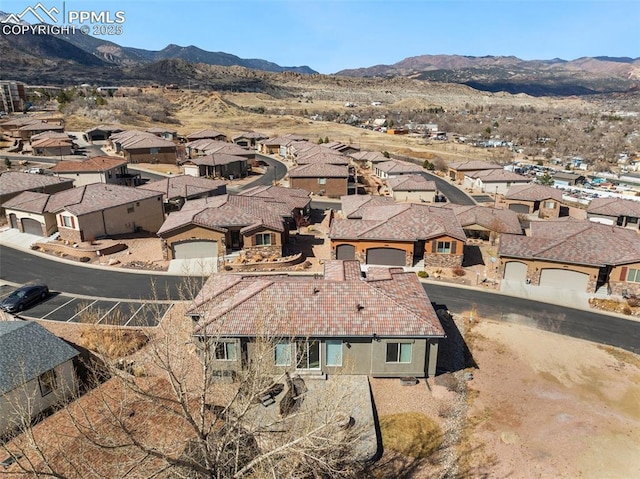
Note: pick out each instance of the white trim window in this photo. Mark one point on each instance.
(443, 247)
(263, 239)
(282, 353)
(399, 352)
(633, 276)
(225, 351)
(334, 352)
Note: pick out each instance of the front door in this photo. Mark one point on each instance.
(235, 240)
(307, 354)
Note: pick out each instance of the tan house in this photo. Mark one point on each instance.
(207, 134)
(249, 139)
(412, 189)
(298, 201)
(217, 165)
(25, 132)
(12, 183)
(572, 255)
(37, 372)
(143, 147)
(205, 147)
(615, 211)
(533, 198)
(457, 170)
(219, 225)
(486, 222)
(398, 235)
(493, 181)
(383, 325)
(98, 169)
(278, 145)
(327, 157)
(52, 147)
(321, 179)
(393, 168)
(102, 132)
(176, 190)
(368, 158)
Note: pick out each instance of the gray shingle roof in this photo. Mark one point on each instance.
(14, 182)
(28, 350)
(29, 202)
(498, 176)
(533, 192)
(340, 305)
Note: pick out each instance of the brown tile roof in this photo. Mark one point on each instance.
(90, 165)
(402, 222)
(41, 126)
(533, 192)
(134, 139)
(574, 242)
(204, 134)
(319, 170)
(50, 134)
(411, 183)
(498, 176)
(614, 207)
(214, 146)
(325, 157)
(283, 140)
(184, 186)
(215, 159)
(372, 156)
(352, 205)
(295, 198)
(398, 167)
(14, 182)
(493, 219)
(340, 305)
(29, 202)
(96, 197)
(107, 128)
(156, 130)
(473, 165)
(51, 142)
(252, 135)
(222, 212)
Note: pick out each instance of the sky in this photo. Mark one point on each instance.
(332, 35)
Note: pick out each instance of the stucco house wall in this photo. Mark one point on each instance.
(332, 188)
(47, 220)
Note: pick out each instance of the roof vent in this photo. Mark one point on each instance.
(316, 290)
(360, 307)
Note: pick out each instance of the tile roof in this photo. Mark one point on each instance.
(398, 167)
(283, 140)
(90, 165)
(134, 139)
(250, 135)
(41, 126)
(295, 198)
(322, 157)
(29, 202)
(401, 222)
(574, 242)
(473, 165)
(96, 197)
(340, 305)
(411, 183)
(222, 212)
(50, 134)
(353, 204)
(51, 142)
(215, 146)
(28, 350)
(614, 207)
(184, 186)
(319, 170)
(15, 181)
(533, 192)
(497, 176)
(493, 219)
(215, 159)
(372, 156)
(106, 128)
(155, 130)
(204, 134)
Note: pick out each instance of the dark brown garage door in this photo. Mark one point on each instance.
(386, 256)
(31, 226)
(345, 251)
(524, 209)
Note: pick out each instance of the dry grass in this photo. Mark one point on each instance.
(628, 307)
(113, 342)
(411, 434)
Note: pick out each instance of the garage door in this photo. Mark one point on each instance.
(195, 249)
(31, 226)
(515, 271)
(386, 256)
(564, 279)
(520, 208)
(345, 251)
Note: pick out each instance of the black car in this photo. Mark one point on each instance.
(23, 297)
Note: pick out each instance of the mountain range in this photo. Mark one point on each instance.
(77, 58)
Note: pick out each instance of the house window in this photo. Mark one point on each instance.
(225, 351)
(549, 204)
(110, 174)
(153, 151)
(334, 353)
(47, 382)
(322, 181)
(130, 209)
(633, 276)
(263, 239)
(632, 220)
(443, 247)
(66, 222)
(399, 352)
(307, 354)
(282, 351)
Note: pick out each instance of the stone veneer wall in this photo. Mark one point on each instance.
(442, 260)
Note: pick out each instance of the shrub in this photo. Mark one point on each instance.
(423, 274)
(633, 301)
(84, 259)
(458, 271)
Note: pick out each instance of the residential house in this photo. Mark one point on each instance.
(52, 147)
(12, 128)
(393, 168)
(97, 169)
(486, 222)
(459, 169)
(37, 372)
(102, 132)
(176, 190)
(143, 147)
(275, 146)
(572, 255)
(615, 211)
(321, 179)
(398, 235)
(493, 181)
(164, 133)
(207, 134)
(298, 201)
(412, 188)
(216, 226)
(249, 139)
(341, 147)
(205, 147)
(217, 165)
(28, 213)
(383, 325)
(369, 158)
(328, 157)
(533, 198)
(567, 179)
(25, 132)
(12, 183)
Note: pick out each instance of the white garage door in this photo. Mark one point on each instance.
(564, 279)
(515, 271)
(32, 226)
(195, 249)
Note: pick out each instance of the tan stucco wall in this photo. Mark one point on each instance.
(334, 187)
(48, 220)
(363, 246)
(414, 196)
(535, 267)
(143, 155)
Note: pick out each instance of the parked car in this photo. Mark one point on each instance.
(24, 297)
